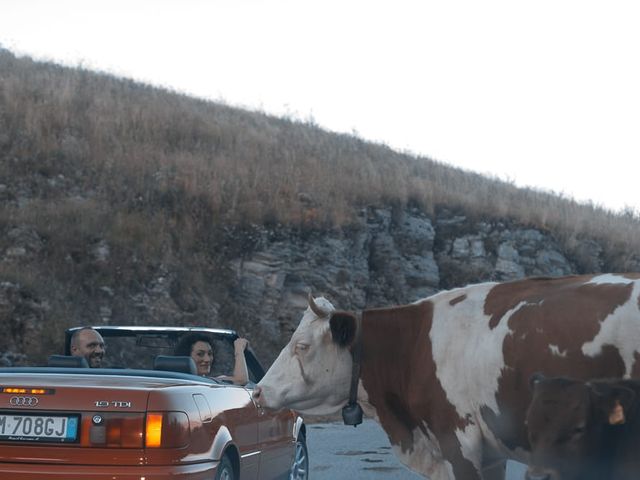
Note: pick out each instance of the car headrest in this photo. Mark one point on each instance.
(67, 361)
(173, 363)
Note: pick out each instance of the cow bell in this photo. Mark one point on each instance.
(352, 414)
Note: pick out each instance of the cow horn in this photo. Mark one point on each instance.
(315, 308)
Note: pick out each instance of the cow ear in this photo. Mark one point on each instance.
(614, 401)
(343, 328)
(534, 379)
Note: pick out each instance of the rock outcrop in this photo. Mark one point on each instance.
(389, 257)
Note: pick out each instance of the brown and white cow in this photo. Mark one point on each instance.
(447, 376)
(584, 430)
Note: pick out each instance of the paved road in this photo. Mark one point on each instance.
(339, 452)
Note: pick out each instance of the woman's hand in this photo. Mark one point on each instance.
(240, 371)
(240, 344)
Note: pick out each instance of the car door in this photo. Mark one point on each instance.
(231, 408)
(275, 440)
(247, 422)
(275, 430)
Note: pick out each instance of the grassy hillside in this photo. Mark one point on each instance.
(142, 154)
(163, 179)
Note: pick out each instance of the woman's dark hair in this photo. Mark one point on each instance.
(184, 346)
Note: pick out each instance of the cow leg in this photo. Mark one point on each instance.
(495, 470)
(493, 463)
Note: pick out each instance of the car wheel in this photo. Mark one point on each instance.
(225, 470)
(300, 466)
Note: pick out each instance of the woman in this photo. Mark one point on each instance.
(198, 347)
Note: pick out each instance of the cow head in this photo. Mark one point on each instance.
(570, 425)
(312, 374)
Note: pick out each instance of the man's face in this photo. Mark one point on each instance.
(90, 345)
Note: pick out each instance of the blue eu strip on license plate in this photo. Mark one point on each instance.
(72, 428)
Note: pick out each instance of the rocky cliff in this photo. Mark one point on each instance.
(260, 284)
(391, 258)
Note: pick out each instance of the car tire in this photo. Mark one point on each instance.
(225, 469)
(300, 466)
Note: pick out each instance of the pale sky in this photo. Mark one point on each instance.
(544, 93)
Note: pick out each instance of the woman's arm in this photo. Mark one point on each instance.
(240, 373)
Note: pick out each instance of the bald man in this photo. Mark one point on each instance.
(89, 344)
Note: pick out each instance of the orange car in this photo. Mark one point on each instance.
(147, 416)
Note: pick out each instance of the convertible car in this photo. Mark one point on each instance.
(145, 416)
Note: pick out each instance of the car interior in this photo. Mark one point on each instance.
(154, 350)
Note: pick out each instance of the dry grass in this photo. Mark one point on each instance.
(146, 159)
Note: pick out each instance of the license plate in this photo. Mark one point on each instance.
(38, 428)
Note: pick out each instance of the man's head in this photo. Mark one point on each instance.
(89, 344)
